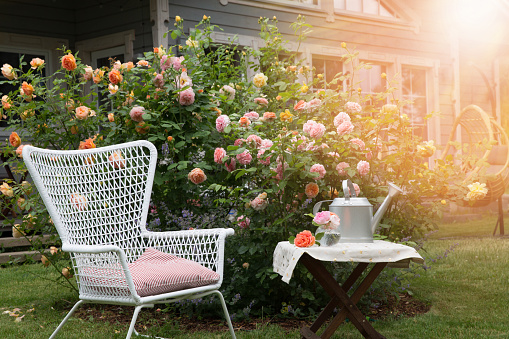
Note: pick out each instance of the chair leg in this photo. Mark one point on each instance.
(226, 314)
(66, 318)
(137, 310)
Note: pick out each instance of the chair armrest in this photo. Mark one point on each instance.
(204, 246)
(222, 232)
(90, 248)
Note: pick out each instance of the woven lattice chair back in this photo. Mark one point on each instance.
(483, 141)
(99, 201)
(100, 197)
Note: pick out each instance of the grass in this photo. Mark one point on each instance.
(468, 291)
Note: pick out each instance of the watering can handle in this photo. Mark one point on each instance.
(317, 206)
(347, 184)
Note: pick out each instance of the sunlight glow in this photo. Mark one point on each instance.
(473, 15)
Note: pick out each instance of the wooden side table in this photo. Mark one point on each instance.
(380, 253)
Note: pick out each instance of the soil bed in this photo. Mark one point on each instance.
(121, 315)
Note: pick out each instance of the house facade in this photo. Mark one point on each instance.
(447, 54)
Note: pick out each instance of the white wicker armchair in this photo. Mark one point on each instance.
(99, 200)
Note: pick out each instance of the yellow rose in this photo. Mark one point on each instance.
(477, 191)
(178, 18)
(6, 190)
(304, 88)
(426, 150)
(343, 44)
(286, 116)
(260, 80)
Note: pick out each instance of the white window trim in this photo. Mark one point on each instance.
(123, 39)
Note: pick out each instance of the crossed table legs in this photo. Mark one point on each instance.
(339, 297)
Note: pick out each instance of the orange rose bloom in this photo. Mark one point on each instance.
(27, 88)
(6, 102)
(14, 139)
(115, 77)
(111, 117)
(87, 144)
(68, 62)
(312, 190)
(197, 176)
(300, 105)
(117, 160)
(304, 239)
(244, 122)
(269, 115)
(142, 128)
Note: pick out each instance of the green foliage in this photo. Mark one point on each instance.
(269, 148)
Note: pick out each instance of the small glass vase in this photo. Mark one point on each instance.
(330, 236)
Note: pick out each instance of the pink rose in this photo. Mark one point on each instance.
(363, 167)
(266, 143)
(353, 107)
(358, 142)
(318, 168)
(244, 158)
(177, 62)
(258, 204)
(243, 221)
(263, 160)
(165, 62)
(341, 118)
(356, 188)
(219, 154)
(252, 116)
(79, 201)
(197, 176)
(322, 218)
(136, 113)
(308, 126)
(89, 73)
(158, 81)
(313, 104)
(221, 122)
(230, 167)
(239, 142)
(186, 97)
(341, 168)
(254, 140)
(261, 101)
(345, 128)
(227, 91)
(317, 131)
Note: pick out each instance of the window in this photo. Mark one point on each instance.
(372, 83)
(329, 68)
(373, 7)
(13, 58)
(413, 88)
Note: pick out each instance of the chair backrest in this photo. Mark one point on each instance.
(98, 196)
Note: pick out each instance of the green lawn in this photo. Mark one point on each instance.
(468, 290)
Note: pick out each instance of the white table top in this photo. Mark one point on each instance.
(287, 255)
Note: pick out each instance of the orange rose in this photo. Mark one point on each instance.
(300, 105)
(304, 239)
(14, 139)
(68, 62)
(142, 128)
(312, 190)
(98, 75)
(87, 144)
(117, 160)
(111, 117)
(269, 116)
(115, 77)
(244, 122)
(6, 102)
(82, 112)
(36, 62)
(197, 176)
(27, 88)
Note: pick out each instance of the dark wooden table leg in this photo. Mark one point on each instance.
(341, 298)
(356, 296)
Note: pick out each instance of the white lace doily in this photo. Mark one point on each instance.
(287, 255)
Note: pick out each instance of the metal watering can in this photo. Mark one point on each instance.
(357, 223)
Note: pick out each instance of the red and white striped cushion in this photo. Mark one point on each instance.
(156, 272)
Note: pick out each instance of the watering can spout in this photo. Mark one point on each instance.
(393, 191)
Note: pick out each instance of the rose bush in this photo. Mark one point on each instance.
(253, 153)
